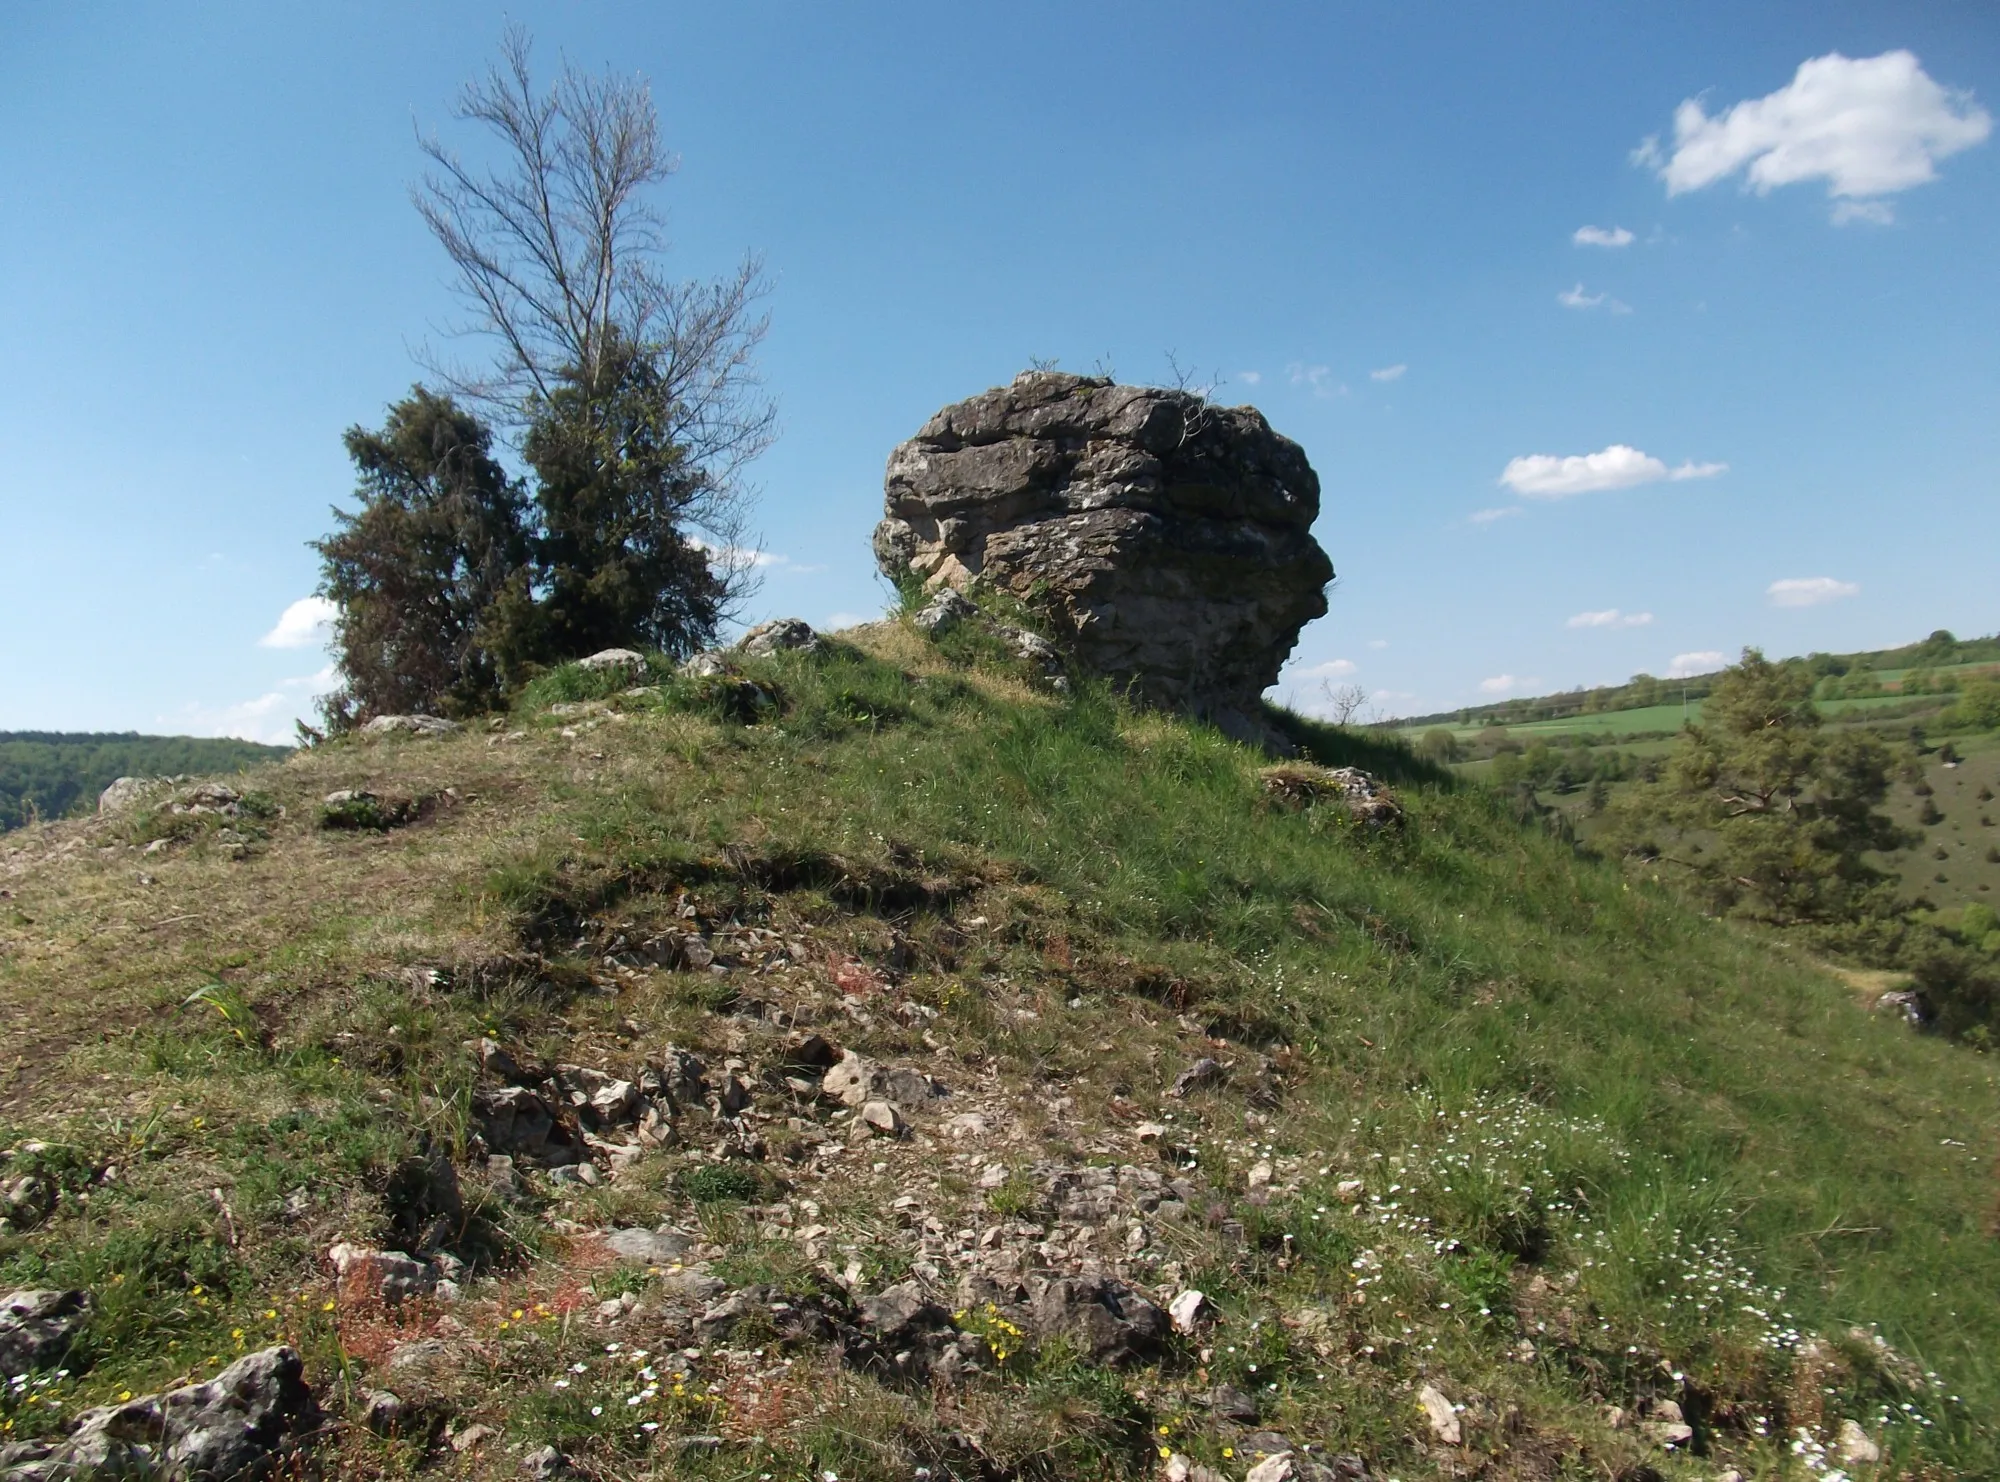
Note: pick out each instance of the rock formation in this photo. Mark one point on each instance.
(1168, 542)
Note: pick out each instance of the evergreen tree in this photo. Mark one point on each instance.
(440, 539)
(1764, 810)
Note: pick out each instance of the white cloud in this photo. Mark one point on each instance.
(1868, 126)
(1875, 213)
(743, 557)
(1685, 666)
(1378, 643)
(1597, 236)
(1611, 617)
(1809, 591)
(1250, 378)
(1544, 476)
(837, 620)
(268, 718)
(1499, 684)
(1318, 377)
(1488, 516)
(1388, 372)
(1577, 298)
(302, 625)
(1331, 669)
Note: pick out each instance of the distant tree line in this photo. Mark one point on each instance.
(49, 774)
(579, 489)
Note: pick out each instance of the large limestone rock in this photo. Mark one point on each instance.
(1168, 541)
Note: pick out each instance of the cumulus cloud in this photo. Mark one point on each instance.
(1867, 126)
(838, 620)
(1388, 373)
(1331, 669)
(1498, 512)
(1378, 643)
(1875, 213)
(1250, 378)
(1499, 684)
(1809, 591)
(1611, 617)
(1597, 236)
(1685, 666)
(1545, 476)
(304, 624)
(1578, 298)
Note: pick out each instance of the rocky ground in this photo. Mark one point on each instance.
(380, 1145)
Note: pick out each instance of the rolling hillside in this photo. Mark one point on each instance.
(942, 1078)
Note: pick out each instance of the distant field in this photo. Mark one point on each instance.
(1611, 722)
(1652, 718)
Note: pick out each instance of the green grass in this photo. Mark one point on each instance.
(1612, 1127)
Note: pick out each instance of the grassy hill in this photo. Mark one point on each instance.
(47, 774)
(1440, 1108)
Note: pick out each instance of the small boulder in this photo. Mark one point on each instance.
(1109, 1321)
(238, 1424)
(124, 795)
(1442, 1415)
(1293, 1466)
(516, 1121)
(382, 1411)
(945, 611)
(495, 1061)
(779, 635)
(545, 1463)
(909, 1089)
(26, 1201)
(1188, 1309)
(37, 1327)
(854, 1080)
(680, 1078)
(1300, 785)
(623, 661)
(909, 1335)
(662, 1247)
(1855, 1447)
(599, 1097)
(387, 1276)
(1231, 1403)
(883, 1118)
(1204, 1073)
(708, 664)
(414, 725)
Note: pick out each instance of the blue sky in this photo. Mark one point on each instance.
(1364, 218)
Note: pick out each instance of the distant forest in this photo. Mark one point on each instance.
(47, 774)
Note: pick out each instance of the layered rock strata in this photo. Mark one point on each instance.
(1168, 542)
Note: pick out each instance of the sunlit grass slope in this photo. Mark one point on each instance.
(1608, 1152)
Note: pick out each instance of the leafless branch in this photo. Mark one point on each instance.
(1195, 411)
(557, 254)
(1347, 705)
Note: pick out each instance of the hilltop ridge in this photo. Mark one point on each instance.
(864, 1060)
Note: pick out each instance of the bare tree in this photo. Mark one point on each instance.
(558, 257)
(1346, 705)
